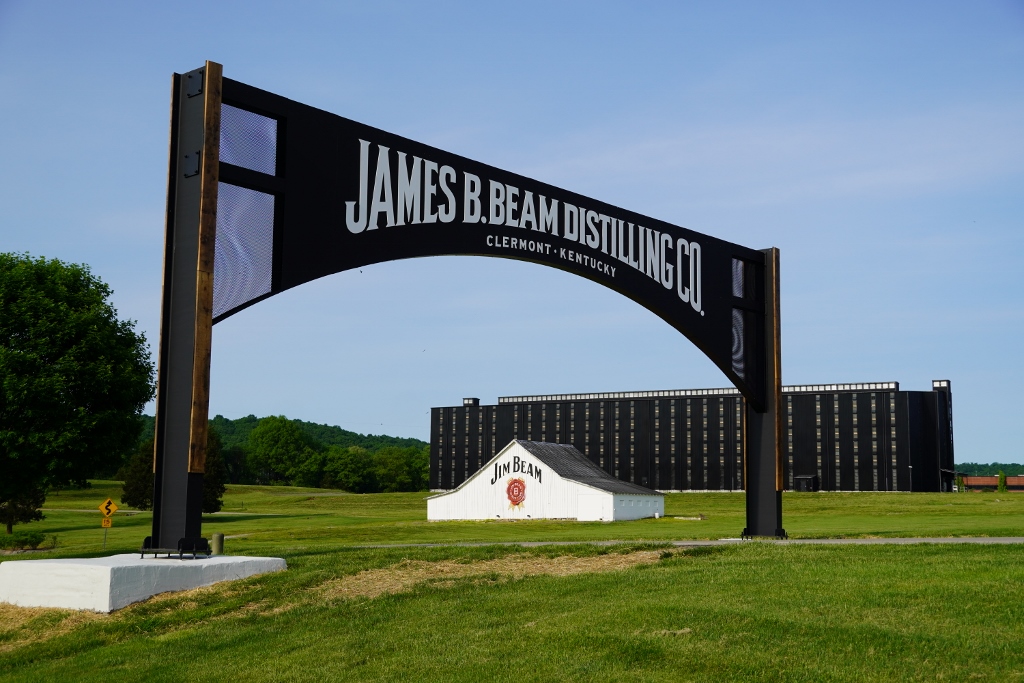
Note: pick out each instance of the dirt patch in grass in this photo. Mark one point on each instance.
(26, 626)
(409, 573)
(20, 626)
(224, 589)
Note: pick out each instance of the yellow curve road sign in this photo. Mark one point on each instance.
(106, 522)
(108, 507)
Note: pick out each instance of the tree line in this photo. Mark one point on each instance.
(277, 450)
(973, 469)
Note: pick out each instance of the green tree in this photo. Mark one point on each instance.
(1002, 482)
(308, 468)
(237, 466)
(73, 379)
(215, 475)
(137, 476)
(401, 469)
(419, 468)
(973, 469)
(22, 508)
(277, 449)
(391, 468)
(350, 469)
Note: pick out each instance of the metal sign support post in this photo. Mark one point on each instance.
(763, 449)
(186, 326)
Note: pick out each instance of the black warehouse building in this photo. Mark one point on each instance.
(838, 437)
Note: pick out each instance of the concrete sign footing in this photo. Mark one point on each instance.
(105, 584)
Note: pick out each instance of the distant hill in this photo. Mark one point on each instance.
(236, 433)
(992, 469)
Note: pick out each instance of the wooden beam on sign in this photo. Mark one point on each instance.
(203, 340)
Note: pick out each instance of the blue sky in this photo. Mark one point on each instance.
(879, 145)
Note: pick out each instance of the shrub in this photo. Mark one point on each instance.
(24, 539)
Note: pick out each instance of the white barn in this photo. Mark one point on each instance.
(537, 480)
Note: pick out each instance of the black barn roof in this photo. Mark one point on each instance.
(569, 463)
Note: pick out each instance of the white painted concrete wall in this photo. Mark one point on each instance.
(548, 496)
(104, 584)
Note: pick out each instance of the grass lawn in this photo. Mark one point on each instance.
(747, 612)
(262, 519)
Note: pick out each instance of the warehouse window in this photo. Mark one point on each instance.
(856, 449)
(835, 419)
(817, 434)
(789, 440)
(586, 428)
(704, 443)
(874, 446)
(892, 435)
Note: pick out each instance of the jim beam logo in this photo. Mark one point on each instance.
(516, 492)
(515, 487)
(395, 190)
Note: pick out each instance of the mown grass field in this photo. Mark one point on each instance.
(753, 611)
(263, 519)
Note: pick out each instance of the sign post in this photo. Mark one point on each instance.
(186, 326)
(108, 508)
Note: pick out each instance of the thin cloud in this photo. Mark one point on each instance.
(774, 164)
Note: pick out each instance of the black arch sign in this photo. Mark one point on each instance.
(265, 194)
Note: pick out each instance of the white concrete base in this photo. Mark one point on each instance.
(104, 584)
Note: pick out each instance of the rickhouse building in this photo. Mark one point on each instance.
(838, 437)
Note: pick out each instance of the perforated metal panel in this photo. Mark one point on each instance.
(738, 288)
(739, 343)
(245, 247)
(248, 140)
